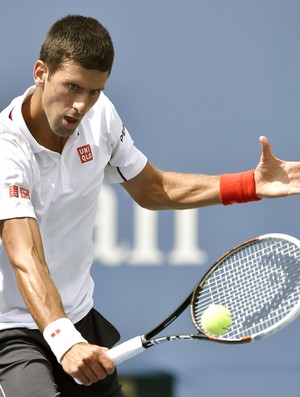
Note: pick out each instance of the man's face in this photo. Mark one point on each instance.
(69, 94)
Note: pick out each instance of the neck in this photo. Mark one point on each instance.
(38, 125)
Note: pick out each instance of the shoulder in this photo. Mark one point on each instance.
(13, 145)
(10, 135)
(103, 121)
(104, 110)
(10, 132)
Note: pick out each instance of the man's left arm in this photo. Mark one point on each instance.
(155, 189)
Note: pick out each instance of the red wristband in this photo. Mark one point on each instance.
(238, 188)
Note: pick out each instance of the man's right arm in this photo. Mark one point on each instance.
(23, 244)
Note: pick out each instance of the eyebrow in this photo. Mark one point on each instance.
(81, 88)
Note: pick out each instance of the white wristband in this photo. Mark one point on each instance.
(61, 335)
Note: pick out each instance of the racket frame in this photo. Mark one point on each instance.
(139, 344)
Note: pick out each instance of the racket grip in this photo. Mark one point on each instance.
(123, 352)
(126, 350)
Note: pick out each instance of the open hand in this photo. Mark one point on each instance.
(275, 177)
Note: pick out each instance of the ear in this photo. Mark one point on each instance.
(40, 73)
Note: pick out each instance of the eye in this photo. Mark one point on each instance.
(73, 87)
(96, 92)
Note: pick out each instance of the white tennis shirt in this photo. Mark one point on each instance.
(61, 191)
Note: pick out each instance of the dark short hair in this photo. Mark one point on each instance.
(81, 39)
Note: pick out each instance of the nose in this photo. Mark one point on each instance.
(81, 104)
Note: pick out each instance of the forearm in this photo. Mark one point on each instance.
(184, 191)
(162, 190)
(23, 245)
(193, 191)
(40, 295)
(22, 242)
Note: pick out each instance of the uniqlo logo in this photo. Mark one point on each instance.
(24, 193)
(85, 153)
(13, 191)
(55, 333)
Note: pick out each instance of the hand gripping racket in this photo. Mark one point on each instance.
(258, 281)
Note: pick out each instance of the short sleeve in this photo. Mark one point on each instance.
(126, 160)
(16, 177)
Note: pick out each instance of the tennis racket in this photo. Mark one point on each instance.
(258, 281)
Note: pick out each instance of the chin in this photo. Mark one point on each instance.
(64, 133)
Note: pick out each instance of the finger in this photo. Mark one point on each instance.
(263, 139)
(96, 372)
(89, 377)
(82, 381)
(91, 372)
(266, 147)
(79, 381)
(106, 362)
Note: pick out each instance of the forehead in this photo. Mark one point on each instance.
(75, 73)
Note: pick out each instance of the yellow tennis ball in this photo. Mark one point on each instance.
(216, 320)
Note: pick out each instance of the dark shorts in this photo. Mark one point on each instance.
(28, 368)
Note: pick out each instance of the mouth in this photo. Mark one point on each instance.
(70, 121)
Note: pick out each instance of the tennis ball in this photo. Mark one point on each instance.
(216, 320)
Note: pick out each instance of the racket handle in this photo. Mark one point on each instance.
(126, 350)
(123, 352)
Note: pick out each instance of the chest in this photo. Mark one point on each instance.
(71, 178)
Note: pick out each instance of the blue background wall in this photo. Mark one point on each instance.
(196, 83)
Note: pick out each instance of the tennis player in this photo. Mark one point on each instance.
(58, 142)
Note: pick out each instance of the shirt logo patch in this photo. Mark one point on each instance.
(85, 153)
(24, 193)
(13, 191)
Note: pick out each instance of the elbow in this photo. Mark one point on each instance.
(148, 204)
(153, 203)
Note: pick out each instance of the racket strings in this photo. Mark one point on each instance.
(259, 283)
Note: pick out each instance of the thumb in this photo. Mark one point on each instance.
(266, 148)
